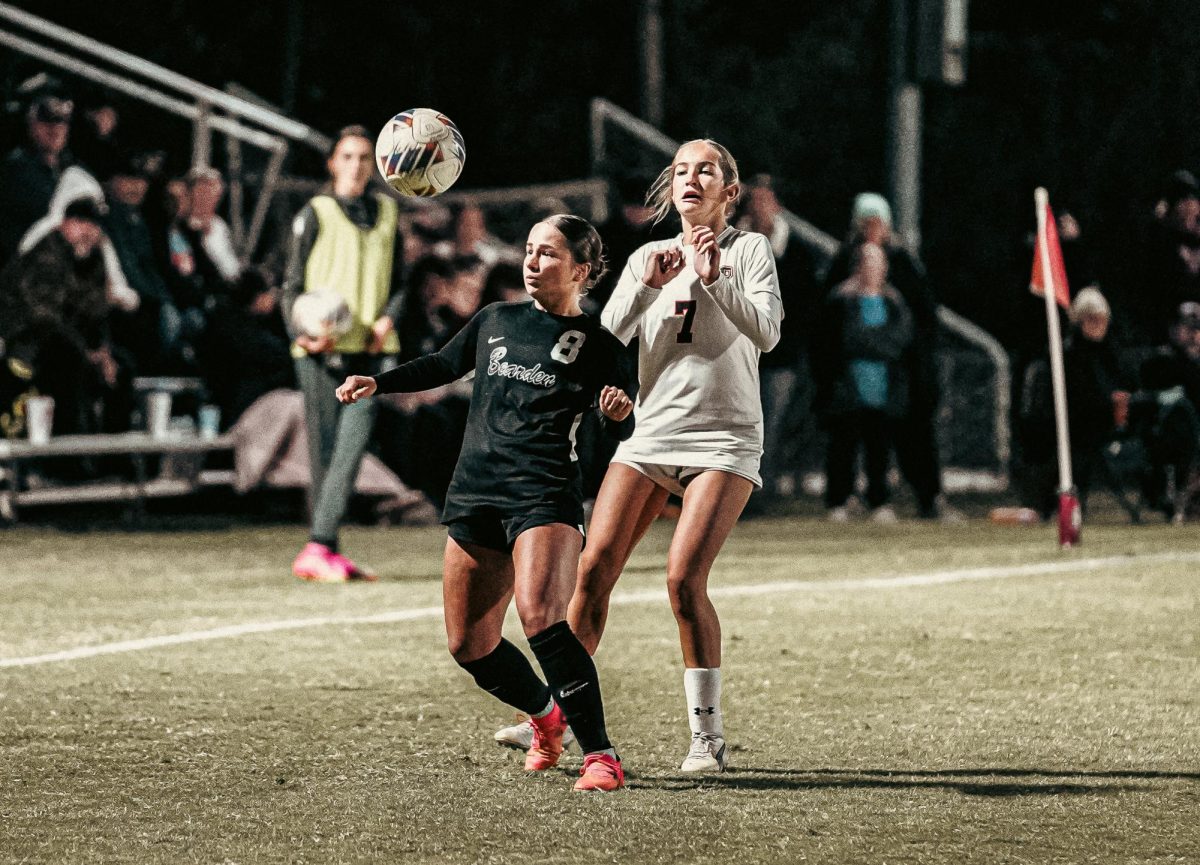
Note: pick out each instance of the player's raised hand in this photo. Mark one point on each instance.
(615, 404)
(708, 254)
(354, 388)
(662, 267)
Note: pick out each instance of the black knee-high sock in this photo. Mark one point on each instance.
(575, 685)
(506, 673)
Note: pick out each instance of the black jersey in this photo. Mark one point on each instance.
(536, 373)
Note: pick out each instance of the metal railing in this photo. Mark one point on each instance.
(176, 94)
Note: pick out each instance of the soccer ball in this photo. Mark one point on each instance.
(319, 313)
(420, 152)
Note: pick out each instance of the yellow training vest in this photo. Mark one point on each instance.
(357, 264)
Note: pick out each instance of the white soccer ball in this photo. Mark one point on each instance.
(420, 152)
(319, 313)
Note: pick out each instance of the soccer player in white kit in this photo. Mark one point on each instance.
(703, 306)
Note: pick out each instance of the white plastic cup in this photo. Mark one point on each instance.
(39, 417)
(158, 414)
(210, 421)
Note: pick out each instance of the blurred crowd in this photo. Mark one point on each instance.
(114, 267)
(1131, 337)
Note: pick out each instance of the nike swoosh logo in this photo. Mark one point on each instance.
(492, 339)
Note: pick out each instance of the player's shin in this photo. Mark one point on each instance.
(572, 677)
(506, 673)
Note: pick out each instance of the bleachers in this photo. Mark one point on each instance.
(181, 470)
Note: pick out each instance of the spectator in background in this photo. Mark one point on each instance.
(862, 380)
(1181, 364)
(505, 282)
(421, 433)
(196, 255)
(915, 437)
(1028, 341)
(1170, 274)
(345, 239)
(1171, 428)
(786, 380)
(466, 288)
(430, 230)
(94, 138)
(208, 232)
(245, 351)
(30, 173)
(56, 322)
(152, 333)
(427, 322)
(472, 238)
(1095, 383)
(179, 264)
(75, 184)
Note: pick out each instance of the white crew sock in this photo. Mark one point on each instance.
(702, 688)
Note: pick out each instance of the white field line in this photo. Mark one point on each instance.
(931, 578)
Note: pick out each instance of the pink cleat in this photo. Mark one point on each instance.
(600, 772)
(318, 564)
(547, 744)
(356, 572)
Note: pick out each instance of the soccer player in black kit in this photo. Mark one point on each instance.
(515, 508)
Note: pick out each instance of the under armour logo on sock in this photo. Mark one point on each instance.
(698, 710)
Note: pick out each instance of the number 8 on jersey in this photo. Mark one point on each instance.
(567, 347)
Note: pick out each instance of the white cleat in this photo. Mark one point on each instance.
(707, 754)
(520, 736)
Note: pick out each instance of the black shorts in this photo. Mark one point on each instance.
(498, 530)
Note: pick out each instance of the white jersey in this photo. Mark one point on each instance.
(698, 402)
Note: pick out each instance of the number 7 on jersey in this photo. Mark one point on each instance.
(686, 308)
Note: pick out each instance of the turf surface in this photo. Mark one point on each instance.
(1043, 715)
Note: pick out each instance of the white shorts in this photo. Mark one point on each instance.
(674, 479)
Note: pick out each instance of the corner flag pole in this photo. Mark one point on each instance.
(1068, 506)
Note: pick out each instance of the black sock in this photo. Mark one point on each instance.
(574, 683)
(332, 545)
(506, 673)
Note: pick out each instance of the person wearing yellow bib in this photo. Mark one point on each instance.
(346, 240)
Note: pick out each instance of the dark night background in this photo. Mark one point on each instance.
(1096, 99)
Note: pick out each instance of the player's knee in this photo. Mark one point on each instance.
(687, 594)
(536, 615)
(599, 567)
(463, 647)
(459, 650)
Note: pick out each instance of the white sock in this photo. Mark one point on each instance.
(546, 711)
(702, 688)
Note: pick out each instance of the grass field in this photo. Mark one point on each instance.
(917, 693)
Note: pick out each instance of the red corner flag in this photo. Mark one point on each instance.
(1058, 270)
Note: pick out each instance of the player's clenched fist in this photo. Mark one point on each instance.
(614, 403)
(662, 267)
(354, 388)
